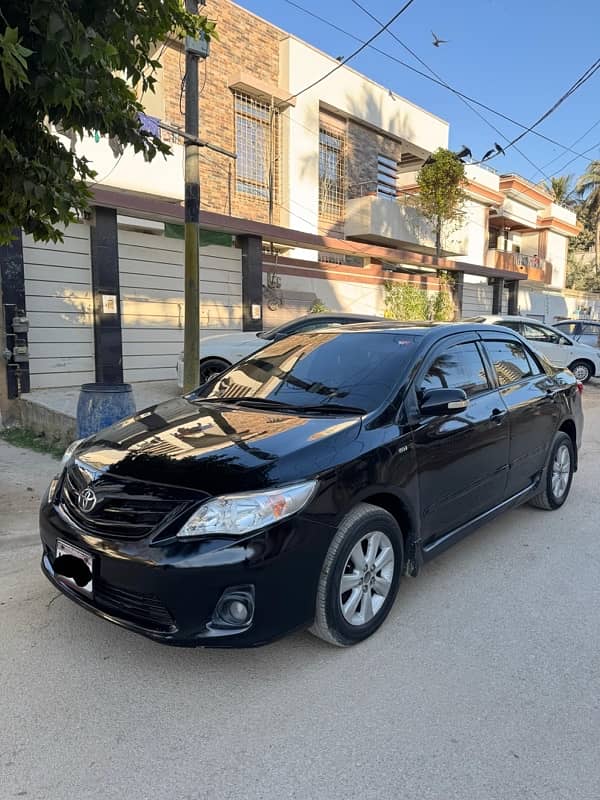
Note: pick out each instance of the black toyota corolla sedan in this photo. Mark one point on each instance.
(295, 489)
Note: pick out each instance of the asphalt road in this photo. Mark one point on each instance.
(483, 685)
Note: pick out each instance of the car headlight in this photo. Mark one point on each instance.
(237, 514)
(67, 455)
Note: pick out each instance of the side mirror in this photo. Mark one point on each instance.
(438, 402)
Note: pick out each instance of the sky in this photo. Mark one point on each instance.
(516, 56)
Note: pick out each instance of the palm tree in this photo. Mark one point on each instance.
(588, 187)
(561, 189)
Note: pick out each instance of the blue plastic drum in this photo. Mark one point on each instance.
(101, 405)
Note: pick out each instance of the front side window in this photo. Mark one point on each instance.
(460, 367)
(536, 333)
(331, 173)
(333, 367)
(256, 127)
(510, 361)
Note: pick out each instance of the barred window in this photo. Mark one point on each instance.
(331, 173)
(256, 141)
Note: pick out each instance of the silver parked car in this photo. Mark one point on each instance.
(585, 331)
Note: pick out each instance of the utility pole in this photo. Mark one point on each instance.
(191, 333)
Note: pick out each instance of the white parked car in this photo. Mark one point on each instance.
(220, 350)
(561, 350)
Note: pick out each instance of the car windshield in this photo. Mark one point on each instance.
(352, 369)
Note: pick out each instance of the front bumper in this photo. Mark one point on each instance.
(169, 592)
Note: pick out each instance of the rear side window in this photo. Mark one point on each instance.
(460, 367)
(510, 361)
(569, 328)
(590, 330)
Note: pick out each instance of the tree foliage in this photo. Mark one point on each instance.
(561, 188)
(588, 186)
(74, 65)
(441, 194)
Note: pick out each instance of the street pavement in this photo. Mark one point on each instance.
(484, 684)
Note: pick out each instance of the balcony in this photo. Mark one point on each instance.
(536, 269)
(397, 222)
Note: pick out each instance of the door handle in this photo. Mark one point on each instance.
(498, 415)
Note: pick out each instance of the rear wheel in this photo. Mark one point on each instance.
(360, 576)
(211, 367)
(583, 370)
(559, 474)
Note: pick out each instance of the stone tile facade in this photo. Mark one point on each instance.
(246, 44)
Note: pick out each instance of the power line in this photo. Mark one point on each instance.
(579, 138)
(455, 91)
(356, 52)
(590, 71)
(460, 97)
(564, 166)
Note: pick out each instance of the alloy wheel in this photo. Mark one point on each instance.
(561, 469)
(367, 578)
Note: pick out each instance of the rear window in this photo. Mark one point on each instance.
(510, 361)
(336, 366)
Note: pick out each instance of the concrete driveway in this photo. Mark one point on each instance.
(483, 685)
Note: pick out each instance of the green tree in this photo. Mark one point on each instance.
(441, 194)
(588, 187)
(561, 188)
(79, 66)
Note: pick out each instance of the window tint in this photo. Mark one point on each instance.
(460, 367)
(536, 333)
(510, 361)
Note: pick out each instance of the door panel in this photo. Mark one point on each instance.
(462, 459)
(530, 397)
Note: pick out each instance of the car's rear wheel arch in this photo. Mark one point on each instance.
(569, 427)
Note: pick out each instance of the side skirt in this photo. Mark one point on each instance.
(448, 539)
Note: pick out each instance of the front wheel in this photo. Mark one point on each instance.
(360, 576)
(559, 474)
(582, 370)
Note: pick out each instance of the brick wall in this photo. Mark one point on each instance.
(363, 147)
(246, 44)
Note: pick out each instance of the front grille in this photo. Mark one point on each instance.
(144, 609)
(124, 509)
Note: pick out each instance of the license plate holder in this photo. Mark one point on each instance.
(65, 549)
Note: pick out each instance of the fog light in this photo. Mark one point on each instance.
(238, 610)
(235, 608)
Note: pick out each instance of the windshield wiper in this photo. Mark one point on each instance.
(265, 402)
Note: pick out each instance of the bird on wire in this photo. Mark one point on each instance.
(437, 41)
(464, 152)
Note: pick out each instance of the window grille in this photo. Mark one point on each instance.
(257, 141)
(387, 177)
(331, 173)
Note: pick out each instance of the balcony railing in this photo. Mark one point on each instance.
(536, 268)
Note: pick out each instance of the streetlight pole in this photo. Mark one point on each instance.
(191, 334)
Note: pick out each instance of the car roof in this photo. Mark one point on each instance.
(487, 318)
(572, 321)
(431, 330)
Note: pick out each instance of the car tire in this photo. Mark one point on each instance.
(583, 370)
(348, 612)
(558, 474)
(211, 367)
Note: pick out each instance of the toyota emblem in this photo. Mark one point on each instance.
(87, 500)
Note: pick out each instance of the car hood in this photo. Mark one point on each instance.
(217, 448)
